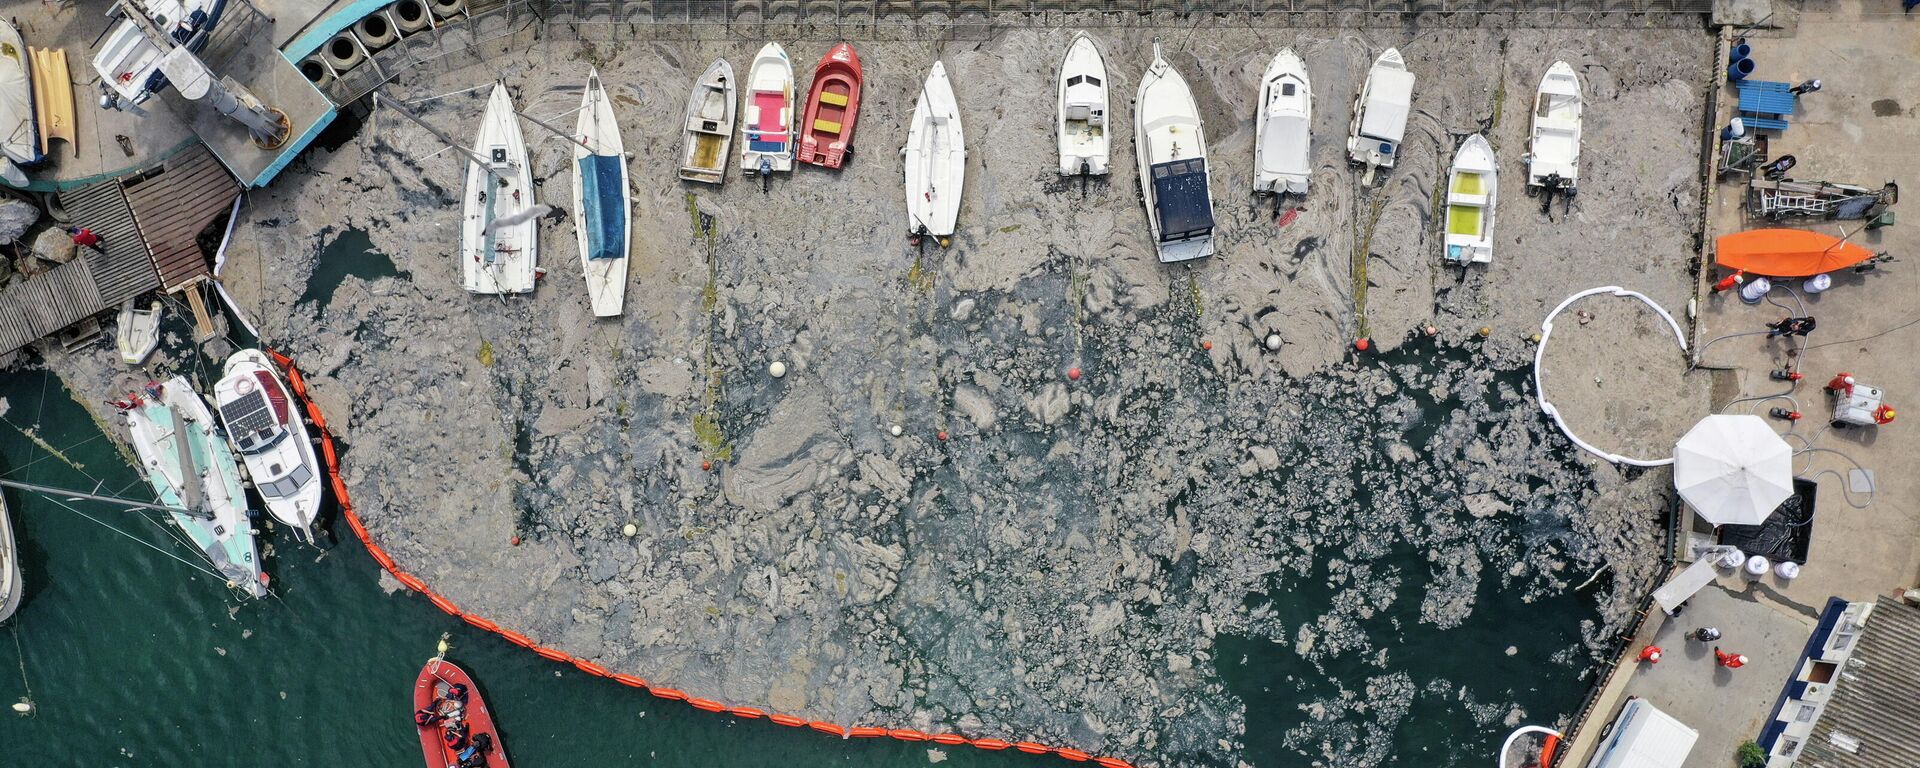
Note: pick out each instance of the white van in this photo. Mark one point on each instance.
(1644, 737)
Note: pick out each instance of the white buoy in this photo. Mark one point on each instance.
(1273, 342)
(23, 707)
(1787, 569)
(896, 430)
(630, 529)
(1732, 559)
(777, 369)
(1757, 566)
(1817, 283)
(1755, 290)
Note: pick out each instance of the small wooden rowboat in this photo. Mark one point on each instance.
(832, 107)
(433, 691)
(709, 125)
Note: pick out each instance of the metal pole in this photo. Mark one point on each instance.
(404, 112)
(52, 491)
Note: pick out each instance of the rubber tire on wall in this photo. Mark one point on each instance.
(343, 52)
(409, 16)
(446, 8)
(375, 31)
(316, 70)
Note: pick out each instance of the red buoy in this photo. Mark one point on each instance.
(706, 465)
(943, 435)
(1362, 344)
(515, 540)
(1206, 345)
(1073, 373)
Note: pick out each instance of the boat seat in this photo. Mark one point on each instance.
(823, 125)
(1462, 198)
(755, 144)
(1079, 112)
(836, 99)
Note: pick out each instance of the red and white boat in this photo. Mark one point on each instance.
(833, 104)
(434, 692)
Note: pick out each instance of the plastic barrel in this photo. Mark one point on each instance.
(409, 16)
(1739, 70)
(375, 31)
(343, 52)
(1739, 51)
(1736, 128)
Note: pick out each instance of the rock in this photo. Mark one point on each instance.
(1266, 457)
(15, 216)
(54, 245)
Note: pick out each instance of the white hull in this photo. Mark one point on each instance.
(138, 332)
(1473, 187)
(935, 158)
(263, 420)
(1555, 146)
(128, 60)
(1283, 140)
(1082, 118)
(11, 585)
(19, 133)
(1380, 113)
(601, 152)
(768, 113)
(504, 260)
(1171, 146)
(709, 129)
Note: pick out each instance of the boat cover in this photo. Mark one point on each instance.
(603, 182)
(1787, 252)
(1181, 200)
(1388, 99)
(1285, 144)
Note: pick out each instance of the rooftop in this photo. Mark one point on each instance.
(1872, 719)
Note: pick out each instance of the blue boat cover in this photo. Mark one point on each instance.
(603, 183)
(1181, 201)
(755, 144)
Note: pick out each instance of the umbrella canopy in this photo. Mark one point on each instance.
(1733, 470)
(1787, 252)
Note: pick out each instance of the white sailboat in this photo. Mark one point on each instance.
(709, 127)
(1172, 150)
(1473, 187)
(11, 585)
(602, 204)
(190, 467)
(768, 114)
(1082, 119)
(499, 242)
(1283, 140)
(1380, 114)
(263, 421)
(1553, 155)
(935, 159)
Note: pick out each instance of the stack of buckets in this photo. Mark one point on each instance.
(1740, 61)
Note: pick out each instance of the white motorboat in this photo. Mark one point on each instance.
(935, 159)
(1473, 187)
(1172, 150)
(768, 114)
(1283, 140)
(11, 585)
(1380, 114)
(263, 421)
(602, 204)
(1553, 155)
(709, 125)
(138, 332)
(1082, 120)
(129, 61)
(191, 468)
(19, 131)
(499, 242)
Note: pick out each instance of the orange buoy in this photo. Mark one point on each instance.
(947, 738)
(443, 604)
(486, 624)
(1206, 345)
(516, 638)
(1073, 754)
(943, 435)
(706, 466)
(866, 733)
(991, 744)
(907, 735)
(628, 680)
(1074, 373)
(747, 712)
(668, 693)
(827, 728)
(515, 540)
(708, 705)
(1113, 762)
(1362, 344)
(787, 720)
(410, 581)
(550, 654)
(589, 667)
(381, 558)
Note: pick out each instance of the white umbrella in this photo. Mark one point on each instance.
(1733, 470)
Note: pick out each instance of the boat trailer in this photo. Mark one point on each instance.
(1776, 200)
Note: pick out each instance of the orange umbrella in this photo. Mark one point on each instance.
(1787, 252)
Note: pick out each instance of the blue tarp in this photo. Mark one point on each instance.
(603, 182)
(1181, 201)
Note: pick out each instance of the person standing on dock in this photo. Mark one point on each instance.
(1792, 326)
(1705, 634)
(1806, 87)
(1650, 654)
(1729, 660)
(86, 238)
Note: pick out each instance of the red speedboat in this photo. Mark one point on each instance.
(438, 708)
(832, 107)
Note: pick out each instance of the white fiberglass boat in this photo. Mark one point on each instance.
(602, 204)
(129, 61)
(1283, 141)
(1172, 151)
(263, 421)
(1380, 114)
(499, 242)
(191, 468)
(1553, 155)
(935, 158)
(1082, 120)
(1472, 189)
(709, 129)
(19, 131)
(11, 585)
(768, 114)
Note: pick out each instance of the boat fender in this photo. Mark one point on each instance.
(343, 52)
(590, 668)
(629, 680)
(1032, 748)
(866, 733)
(787, 720)
(551, 655)
(950, 739)
(708, 705)
(409, 16)
(994, 745)
(443, 604)
(446, 8)
(315, 69)
(907, 735)
(481, 623)
(1073, 754)
(828, 728)
(375, 31)
(668, 693)
(516, 638)
(411, 581)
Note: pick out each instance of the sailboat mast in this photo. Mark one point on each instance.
(472, 156)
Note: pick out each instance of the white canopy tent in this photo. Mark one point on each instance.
(1733, 470)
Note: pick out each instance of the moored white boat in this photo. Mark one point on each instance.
(1553, 154)
(1473, 186)
(1082, 101)
(1171, 147)
(499, 257)
(935, 159)
(129, 61)
(709, 128)
(768, 114)
(1380, 114)
(11, 585)
(19, 131)
(602, 204)
(263, 421)
(1283, 140)
(138, 332)
(191, 467)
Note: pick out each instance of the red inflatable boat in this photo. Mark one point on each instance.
(833, 105)
(436, 702)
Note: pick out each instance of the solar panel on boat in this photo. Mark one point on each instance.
(248, 415)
